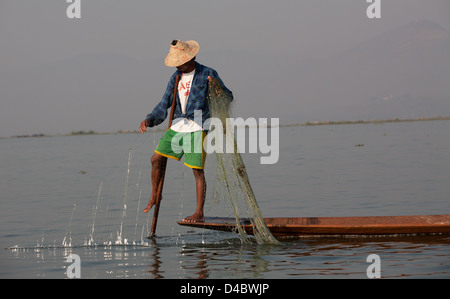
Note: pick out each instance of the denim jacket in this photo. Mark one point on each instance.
(198, 97)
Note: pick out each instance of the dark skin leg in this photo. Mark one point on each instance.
(158, 170)
(199, 175)
(200, 181)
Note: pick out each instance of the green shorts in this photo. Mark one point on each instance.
(175, 144)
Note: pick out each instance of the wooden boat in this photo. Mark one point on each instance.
(336, 226)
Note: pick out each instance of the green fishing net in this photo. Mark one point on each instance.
(232, 182)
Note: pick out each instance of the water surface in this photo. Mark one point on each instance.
(85, 194)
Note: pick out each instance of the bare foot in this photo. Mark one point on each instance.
(194, 218)
(150, 205)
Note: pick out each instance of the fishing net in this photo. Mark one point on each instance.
(232, 183)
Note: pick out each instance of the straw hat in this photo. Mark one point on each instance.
(181, 52)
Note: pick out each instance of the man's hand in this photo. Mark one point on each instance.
(144, 125)
(210, 79)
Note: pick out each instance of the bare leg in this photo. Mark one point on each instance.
(198, 216)
(158, 171)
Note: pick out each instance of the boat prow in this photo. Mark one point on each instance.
(335, 226)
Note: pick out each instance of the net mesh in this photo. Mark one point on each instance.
(232, 182)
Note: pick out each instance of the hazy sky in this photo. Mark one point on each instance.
(236, 37)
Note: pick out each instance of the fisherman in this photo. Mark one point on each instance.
(191, 100)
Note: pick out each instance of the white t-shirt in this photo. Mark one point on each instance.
(184, 88)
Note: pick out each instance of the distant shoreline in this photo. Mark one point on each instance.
(375, 121)
(309, 123)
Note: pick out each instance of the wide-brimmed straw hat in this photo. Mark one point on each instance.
(181, 52)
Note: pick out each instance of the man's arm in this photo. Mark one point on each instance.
(159, 113)
(144, 125)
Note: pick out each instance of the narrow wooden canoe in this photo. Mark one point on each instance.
(336, 226)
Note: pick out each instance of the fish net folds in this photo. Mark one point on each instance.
(232, 183)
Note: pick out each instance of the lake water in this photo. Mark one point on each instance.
(84, 195)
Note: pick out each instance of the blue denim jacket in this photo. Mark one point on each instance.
(198, 97)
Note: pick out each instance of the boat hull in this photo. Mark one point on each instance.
(336, 226)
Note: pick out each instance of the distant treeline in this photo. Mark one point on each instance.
(375, 121)
(309, 123)
(90, 132)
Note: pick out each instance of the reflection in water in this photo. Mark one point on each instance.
(413, 256)
(155, 262)
(317, 257)
(195, 261)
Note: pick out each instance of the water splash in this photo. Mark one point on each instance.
(67, 241)
(94, 215)
(125, 196)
